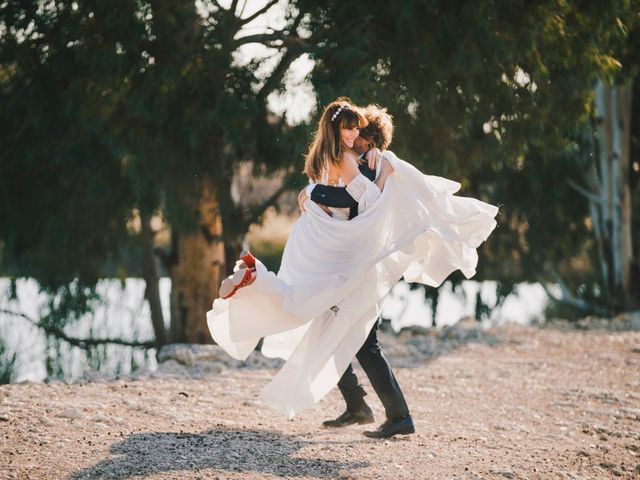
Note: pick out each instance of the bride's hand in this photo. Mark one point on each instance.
(302, 197)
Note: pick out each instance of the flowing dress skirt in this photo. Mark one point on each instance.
(318, 310)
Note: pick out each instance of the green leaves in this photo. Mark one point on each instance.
(107, 107)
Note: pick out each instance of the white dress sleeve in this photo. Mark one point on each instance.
(364, 191)
(310, 188)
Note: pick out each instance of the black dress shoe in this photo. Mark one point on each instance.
(361, 417)
(388, 429)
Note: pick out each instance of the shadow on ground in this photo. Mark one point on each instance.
(248, 451)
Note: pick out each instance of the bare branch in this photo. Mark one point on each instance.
(77, 342)
(244, 5)
(569, 298)
(233, 7)
(566, 299)
(591, 196)
(296, 23)
(263, 38)
(278, 73)
(258, 12)
(259, 210)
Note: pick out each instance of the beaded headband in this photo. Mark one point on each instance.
(342, 107)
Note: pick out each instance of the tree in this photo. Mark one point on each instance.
(495, 95)
(152, 113)
(606, 169)
(120, 113)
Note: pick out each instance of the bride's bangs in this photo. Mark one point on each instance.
(352, 119)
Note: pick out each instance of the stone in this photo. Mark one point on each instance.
(72, 413)
(53, 381)
(170, 368)
(188, 353)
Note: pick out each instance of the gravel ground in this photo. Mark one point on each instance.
(511, 402)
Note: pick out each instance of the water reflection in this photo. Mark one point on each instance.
(123, 313)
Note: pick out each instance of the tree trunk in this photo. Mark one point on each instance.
(233, 218)
(151, 278)
(613, 124)
(624, 160)
(197, 273)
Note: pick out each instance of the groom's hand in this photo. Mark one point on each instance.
(385, 170)
(373, 156)
(302, 197)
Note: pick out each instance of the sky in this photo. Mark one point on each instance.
(298, 100)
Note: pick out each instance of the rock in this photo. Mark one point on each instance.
(94, 376)
(45, 421)
(171, 369)
(4, 417)
(416, 330)
(203, 369)
(344, 473)
(464, 330)
(628, 321)
(53, 381)
(188, 353)
(257, 360)
(142, 373)
(72, 413)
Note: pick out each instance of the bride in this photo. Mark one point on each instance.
(320, 307)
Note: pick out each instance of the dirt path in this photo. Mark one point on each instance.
(521, 403)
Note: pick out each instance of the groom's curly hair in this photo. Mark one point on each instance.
(380, 127)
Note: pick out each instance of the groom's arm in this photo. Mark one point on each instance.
(338, 196)
(332, 197)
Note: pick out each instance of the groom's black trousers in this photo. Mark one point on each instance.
(369, 356)
(382, 380)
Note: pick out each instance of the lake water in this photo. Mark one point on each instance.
(123, 313)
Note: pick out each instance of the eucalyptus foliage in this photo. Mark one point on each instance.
(497, 95)
(112, 107)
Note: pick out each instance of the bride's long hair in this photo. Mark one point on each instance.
(326, 144)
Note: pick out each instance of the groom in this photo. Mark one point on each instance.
(378, 133)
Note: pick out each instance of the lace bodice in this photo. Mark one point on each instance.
(338, 213)
(360, 188)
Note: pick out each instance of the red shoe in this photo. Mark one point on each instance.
(248, 259)
(227, 288)
(232, 284)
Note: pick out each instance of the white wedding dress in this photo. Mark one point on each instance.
(318, 310)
